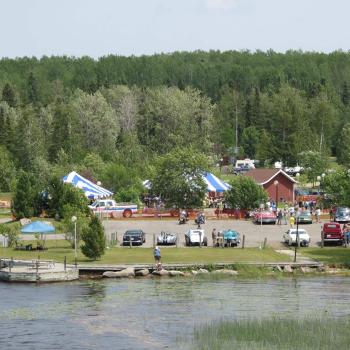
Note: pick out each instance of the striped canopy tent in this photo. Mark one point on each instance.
(90, 189)
(214, 184)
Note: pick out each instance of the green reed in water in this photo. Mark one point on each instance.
(274, 334)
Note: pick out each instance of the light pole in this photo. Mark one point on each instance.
(262, 206)
(297, 236)
(276, 185)
(74, 219)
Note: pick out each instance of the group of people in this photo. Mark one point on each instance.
(291, 213)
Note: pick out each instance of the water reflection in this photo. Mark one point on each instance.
(153, 313)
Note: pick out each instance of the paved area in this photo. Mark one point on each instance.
(254, 234)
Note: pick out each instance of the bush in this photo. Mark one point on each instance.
(94, 239)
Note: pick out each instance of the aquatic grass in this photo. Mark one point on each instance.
(275, 333)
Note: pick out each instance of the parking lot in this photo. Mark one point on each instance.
(254, 234)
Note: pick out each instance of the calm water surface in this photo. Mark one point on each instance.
(152, 313)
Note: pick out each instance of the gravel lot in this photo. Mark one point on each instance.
(254, 234)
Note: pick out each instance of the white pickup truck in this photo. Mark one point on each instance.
(111, 208)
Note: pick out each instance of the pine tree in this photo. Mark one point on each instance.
(94, 239)
(32, 89)
(9, 95)
(24, 197)
(345, 94)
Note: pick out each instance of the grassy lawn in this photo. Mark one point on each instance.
(329, 255)
(118, 255)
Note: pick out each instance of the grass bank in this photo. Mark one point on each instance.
(57, 250)
(333, 256)
(278, 334)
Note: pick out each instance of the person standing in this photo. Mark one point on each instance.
(157, 257)
(279, 217)
(285, 213)
(318, 214)
(213, 236)
(291, 221)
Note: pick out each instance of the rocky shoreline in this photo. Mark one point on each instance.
(131, 272)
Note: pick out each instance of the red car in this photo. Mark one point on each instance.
(332, 232)
(265, 217)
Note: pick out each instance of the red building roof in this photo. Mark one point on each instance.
(263, 176)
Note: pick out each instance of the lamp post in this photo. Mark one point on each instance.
(74, 219)
(262, 206)
(276, 185)
(297, 236)
(221, 160)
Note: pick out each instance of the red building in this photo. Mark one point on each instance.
(278, 184)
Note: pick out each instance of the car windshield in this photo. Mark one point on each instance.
(342, 211)
(133, 233)
(332, 226)
(300, 232)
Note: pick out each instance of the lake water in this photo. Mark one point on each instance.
(153, 313)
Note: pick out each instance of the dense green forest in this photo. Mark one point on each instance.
(111, 118)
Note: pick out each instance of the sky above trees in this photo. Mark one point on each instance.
(136, 27)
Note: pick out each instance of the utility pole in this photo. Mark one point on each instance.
(236, 148)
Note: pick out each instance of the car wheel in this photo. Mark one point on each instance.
(127, 213)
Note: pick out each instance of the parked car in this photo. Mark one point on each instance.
(111, 208)
(342, 215)
(265, 217)
(231, 238)
(290, 237)
(166, 238)
(304, 218)
(332, 232)
(196, 236)
(136, 237)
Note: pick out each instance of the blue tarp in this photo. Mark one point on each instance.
(90, 189)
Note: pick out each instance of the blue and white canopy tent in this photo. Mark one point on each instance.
(214, 184)
(90, 189)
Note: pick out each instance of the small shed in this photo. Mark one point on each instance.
(278, 184)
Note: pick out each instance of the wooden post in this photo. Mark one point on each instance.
(65, 263)
(243, 241)
(265, 241)
(10, 264)
(154, 240)
(37, 269)
(130, 243)
(200, 239)
(322, 240)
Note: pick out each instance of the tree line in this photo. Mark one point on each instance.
(112, 119)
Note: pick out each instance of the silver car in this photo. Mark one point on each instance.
(166, 238)
(342, 215)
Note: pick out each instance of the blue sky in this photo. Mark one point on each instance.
(135, 27)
